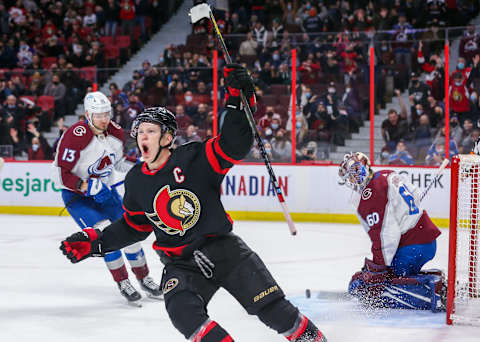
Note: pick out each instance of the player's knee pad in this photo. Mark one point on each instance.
(279, 315)
(210, 331)
(304, 330)
(186, 311)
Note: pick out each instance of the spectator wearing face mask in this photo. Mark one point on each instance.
(422, 137)
(456, 131)
(266, 120)
(459, 97)
(301, 129)
(276, 123)
(58, 90)
(436, 153)
(401, 156)
(418, 91)
(281, 146)
(35, 150)
(465, 139)
(461, 68)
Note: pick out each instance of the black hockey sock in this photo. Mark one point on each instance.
(210, 331)
(304, 331)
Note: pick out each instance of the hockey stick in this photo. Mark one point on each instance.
(2, 161)
(437, 175)
(203, 11)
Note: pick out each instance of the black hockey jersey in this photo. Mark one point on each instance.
(180, 201)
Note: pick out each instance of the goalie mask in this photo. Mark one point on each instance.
(355, 171)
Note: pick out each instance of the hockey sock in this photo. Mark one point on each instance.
(304, 331)
(136, 259)
(116, 265)
(210, 331)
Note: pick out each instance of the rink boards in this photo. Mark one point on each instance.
(312, 192)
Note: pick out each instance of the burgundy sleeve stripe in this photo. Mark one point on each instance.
(213, 160)
(140, 227)
(222, 154)
(132, 213)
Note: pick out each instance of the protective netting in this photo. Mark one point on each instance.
(466, 307)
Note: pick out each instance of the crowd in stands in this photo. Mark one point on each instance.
(52, 51)
(331, 39)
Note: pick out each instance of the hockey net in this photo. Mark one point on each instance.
(463, 296)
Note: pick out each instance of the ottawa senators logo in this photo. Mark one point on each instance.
(174, 211)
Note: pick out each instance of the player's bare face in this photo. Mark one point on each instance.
(148, 138)
(101, 120)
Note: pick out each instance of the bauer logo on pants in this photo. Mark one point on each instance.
(170, 285)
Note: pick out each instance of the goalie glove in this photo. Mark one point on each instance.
(236, 79)
(98, 190)
(82, 245)
(371, 280)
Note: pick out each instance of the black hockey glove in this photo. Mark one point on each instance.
(236, 79)
(82, 245)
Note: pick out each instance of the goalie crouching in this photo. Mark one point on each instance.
(403, 240)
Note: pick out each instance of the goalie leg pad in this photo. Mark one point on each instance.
(421, 292)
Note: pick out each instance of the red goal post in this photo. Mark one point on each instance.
(463, 295)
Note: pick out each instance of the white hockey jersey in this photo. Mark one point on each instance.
(390, 214)
(82, 154)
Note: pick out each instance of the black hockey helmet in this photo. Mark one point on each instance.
(158, 115)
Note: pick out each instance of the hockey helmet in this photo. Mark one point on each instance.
(157, 115)
(355, 171)
(96, 103)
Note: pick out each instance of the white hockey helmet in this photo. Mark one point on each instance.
(355, 171)
(96, 103)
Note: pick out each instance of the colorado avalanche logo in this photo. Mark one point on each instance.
(366, 194)
(103, 166)
(175, 211)
(79, 131)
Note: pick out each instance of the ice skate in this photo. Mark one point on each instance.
(151, 288)
(129, 292)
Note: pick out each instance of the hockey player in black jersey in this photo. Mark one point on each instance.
(176, 194)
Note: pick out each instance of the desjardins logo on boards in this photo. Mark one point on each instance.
(27, 185)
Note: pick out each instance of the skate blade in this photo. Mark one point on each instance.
(135, 304)
(151, 296)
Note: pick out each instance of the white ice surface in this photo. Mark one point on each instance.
(45, 298)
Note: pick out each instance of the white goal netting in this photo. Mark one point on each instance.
(464, 265)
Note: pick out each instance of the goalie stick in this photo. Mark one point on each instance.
(437, 175)
(196, 14)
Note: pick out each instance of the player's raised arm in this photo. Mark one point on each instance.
(236, 135)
